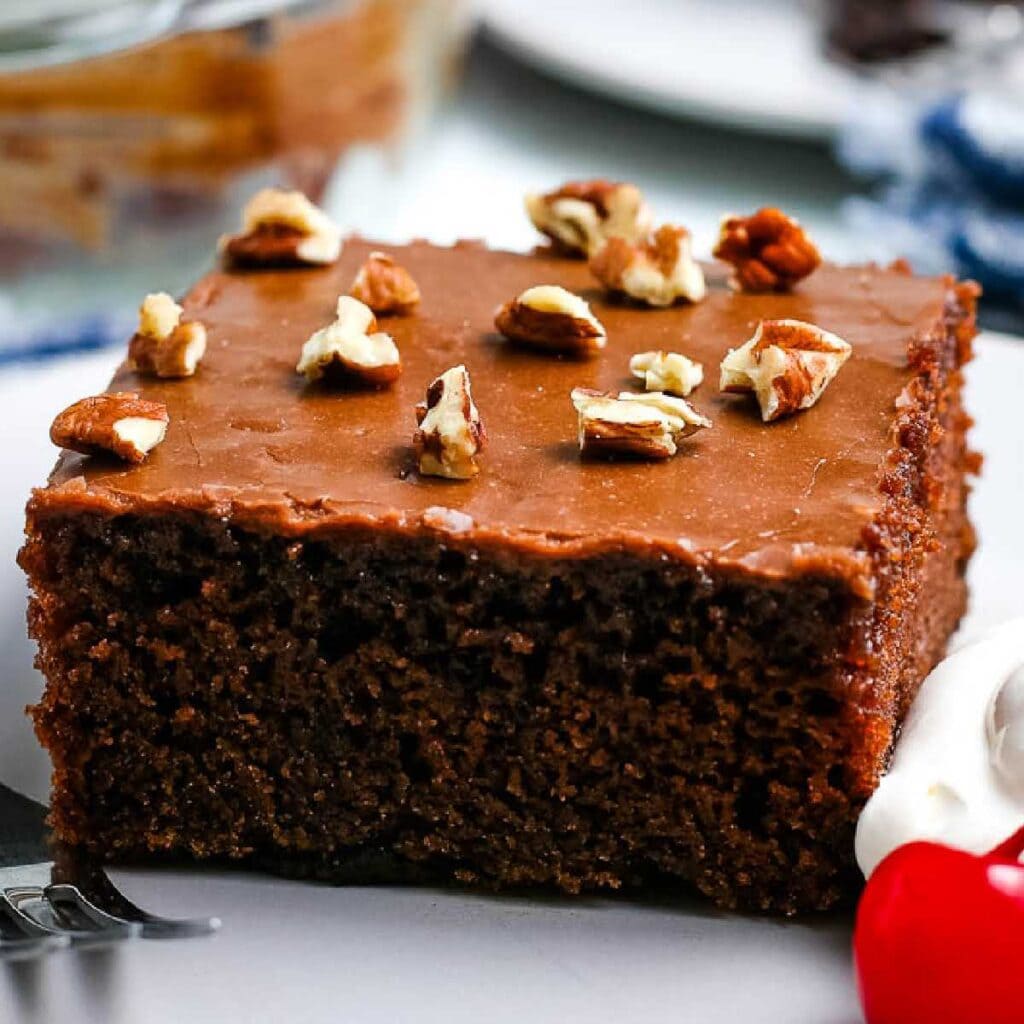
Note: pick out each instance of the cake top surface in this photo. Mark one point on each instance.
(252, 440)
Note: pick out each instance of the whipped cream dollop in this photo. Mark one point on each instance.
(957, 773)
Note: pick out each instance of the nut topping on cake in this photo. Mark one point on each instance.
(787, 364)
(385, 286)
(667, 371)
(549, 317)
(581, 215)
(164, 346)
(121, 424)
(281, 229)
(769, 251)
(351, 348)
(657, 271)
(451, 434)
(646, 426)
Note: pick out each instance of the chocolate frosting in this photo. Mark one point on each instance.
(250, 440)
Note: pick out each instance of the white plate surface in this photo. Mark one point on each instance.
(305, 953)
(746, 63)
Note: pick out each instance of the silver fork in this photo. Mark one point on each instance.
(46, 906)
(69, 901)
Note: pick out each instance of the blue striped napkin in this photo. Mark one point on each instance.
(950, 192)
(34, 337)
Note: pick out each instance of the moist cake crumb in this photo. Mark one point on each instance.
(277, 646)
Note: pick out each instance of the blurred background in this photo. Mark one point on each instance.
(132, 130)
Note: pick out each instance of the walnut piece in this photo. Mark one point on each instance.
(120, 424)
(643, 425)
(282, 229)
(658, 270)
(581, 215)
(551, 318)
(163, 346)
(667, 371)
(351, 348)
(787, 365)
(451, 434)
(385, 286)
(769, 251)
(159, 314)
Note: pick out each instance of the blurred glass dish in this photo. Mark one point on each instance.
(58, 31)
(132, 130)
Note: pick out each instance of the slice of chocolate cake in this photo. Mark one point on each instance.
(276, 639)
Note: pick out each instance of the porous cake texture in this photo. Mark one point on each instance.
(275, 641)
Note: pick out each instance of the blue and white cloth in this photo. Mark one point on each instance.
(951, 192)
(27, 338)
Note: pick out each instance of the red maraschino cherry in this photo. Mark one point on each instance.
(940, 936)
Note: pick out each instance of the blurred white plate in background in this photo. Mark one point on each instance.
(748, 63)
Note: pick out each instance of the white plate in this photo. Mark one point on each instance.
(746, 63)
(306, 953)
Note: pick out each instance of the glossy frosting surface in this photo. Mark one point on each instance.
(249, 439)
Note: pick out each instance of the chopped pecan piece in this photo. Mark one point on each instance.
(385, 286)
(451, 434)
(581, 215)
(657, 271)
(549, 317)
(351, 348)
(163, 346)
(642, 425)
(667, 371)
(120, 424)
(769, 251)
(787, 365)
(282, 229)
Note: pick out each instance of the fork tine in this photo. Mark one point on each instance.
(71, 901)
(21, 938)
(68, 899)
(24, 925)
(57, 921)
(93, 889)
(148, 925)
